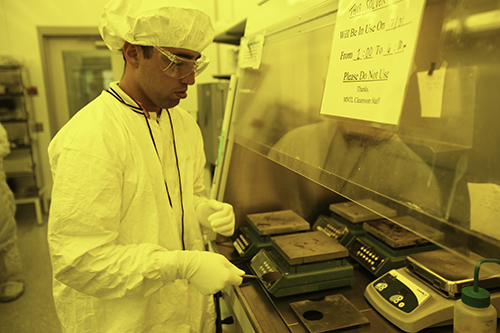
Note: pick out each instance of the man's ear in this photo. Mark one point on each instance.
(131, 54)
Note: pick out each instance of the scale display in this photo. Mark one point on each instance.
(400, 292)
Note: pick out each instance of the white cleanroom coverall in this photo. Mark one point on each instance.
(115, 239)
(10, 262)
(7, 204)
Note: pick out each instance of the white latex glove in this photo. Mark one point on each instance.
(209, 272)
(217, 216)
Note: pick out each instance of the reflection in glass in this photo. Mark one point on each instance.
(87, 74)
(422, 167)
(360, 156)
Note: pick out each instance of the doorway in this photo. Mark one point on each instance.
(78, 66)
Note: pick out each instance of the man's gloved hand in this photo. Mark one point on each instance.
(218, 216)
(209, 272)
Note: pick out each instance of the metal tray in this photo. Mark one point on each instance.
(357, 213)
(329, 314)
(392, 234)
(448, 274)
(308, 247)
(280, 222)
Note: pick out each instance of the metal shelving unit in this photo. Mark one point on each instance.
(21, 165)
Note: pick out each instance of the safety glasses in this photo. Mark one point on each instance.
(179, 67)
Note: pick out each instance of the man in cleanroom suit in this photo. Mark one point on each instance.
(128, 198)
(11, 283)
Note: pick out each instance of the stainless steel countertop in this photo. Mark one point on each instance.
(271, 314)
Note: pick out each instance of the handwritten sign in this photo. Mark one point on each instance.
(372, 53)
(485, 209)
(251, 51)
(430, 87)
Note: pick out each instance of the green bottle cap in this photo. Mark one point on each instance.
(479, 299)
(476, 296)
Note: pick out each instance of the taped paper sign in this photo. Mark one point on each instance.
(372, 53)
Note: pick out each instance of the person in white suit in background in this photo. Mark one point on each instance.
(11, 281)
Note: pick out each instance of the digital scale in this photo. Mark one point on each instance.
(308, 261)
(424, 293)
(257, 235)
(376, 244)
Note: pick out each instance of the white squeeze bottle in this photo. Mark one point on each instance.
(473, 313)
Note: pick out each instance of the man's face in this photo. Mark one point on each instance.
(161, 90)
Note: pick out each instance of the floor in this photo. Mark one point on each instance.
(34, 312)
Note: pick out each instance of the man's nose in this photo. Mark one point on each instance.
(189, 79)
